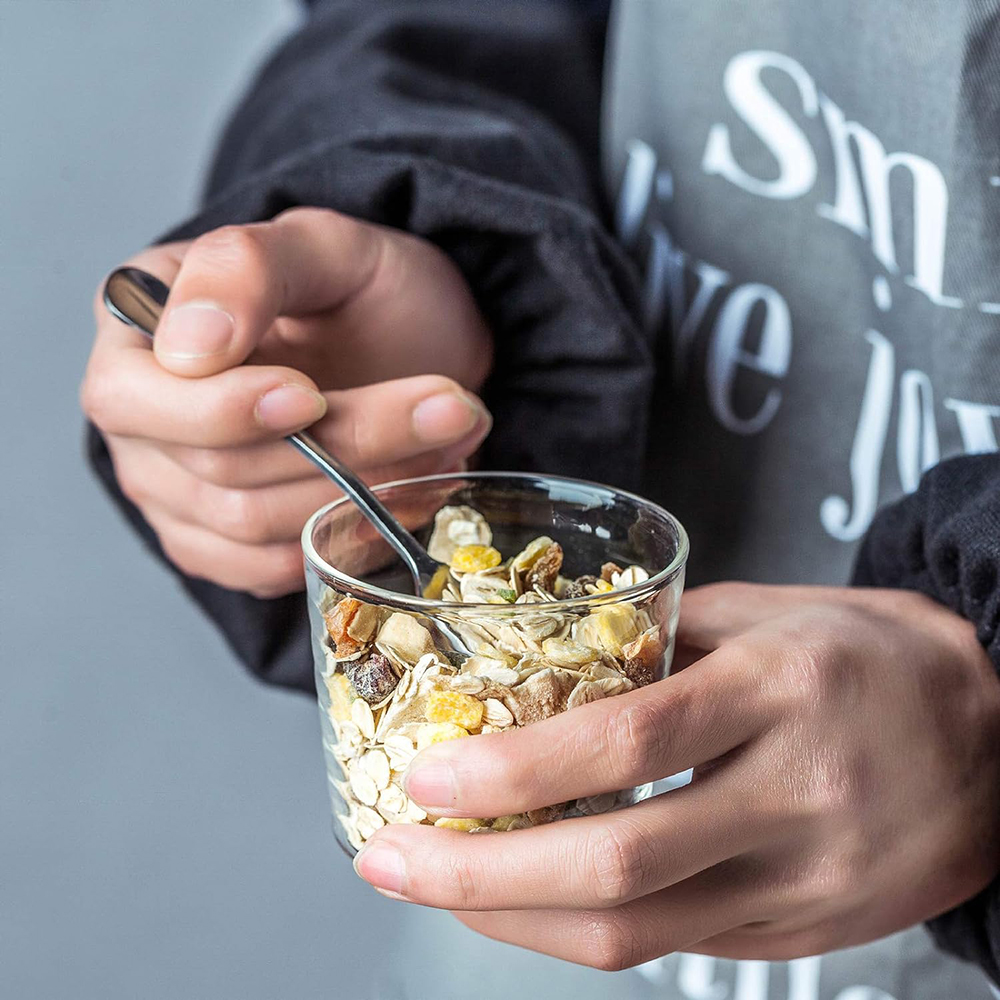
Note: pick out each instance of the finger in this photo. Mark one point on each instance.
(236, 281)
(674, 919)
(258, 516)
(363, 430)
(130, 394)
(594, 862)
(714, 613)
(265, 571)
(666, 727)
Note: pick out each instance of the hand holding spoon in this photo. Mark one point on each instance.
(138, 298)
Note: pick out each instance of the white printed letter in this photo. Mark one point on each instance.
(866, 452)
(770, 122)
(975, 422)
(726, 354)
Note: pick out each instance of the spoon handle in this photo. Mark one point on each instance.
(137, 298)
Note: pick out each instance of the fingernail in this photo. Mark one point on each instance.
(431, 784)
(381, 865)
(445, 417)
(195, 330)
(290, 406)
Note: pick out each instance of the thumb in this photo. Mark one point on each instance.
(234, 282)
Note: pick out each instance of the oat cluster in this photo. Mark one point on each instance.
(394, 686)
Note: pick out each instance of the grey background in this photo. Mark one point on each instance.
(163, 820)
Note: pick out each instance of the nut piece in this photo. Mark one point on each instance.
(338, 620)
(408, 639)
(438, 732)
(453, 706)
(577, 588)
(372, 677)
(609, 570)
(474, 558)
(545, 569)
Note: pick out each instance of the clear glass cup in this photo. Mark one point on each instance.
(370, 632)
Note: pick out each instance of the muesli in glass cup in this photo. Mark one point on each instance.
(557, 592)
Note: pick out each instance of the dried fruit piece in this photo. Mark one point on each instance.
(603, 587)
(474, 558)
(608, 628)
(372, 677)
(608, 571)
(643, 657)
(406, 637)
(338, 620)
(339, 689)
(439, 580)
(461, 823)
(362, 625)
(455, 526)
(438, 732)
(530, 554)
(577, 588)
(547, 814)
(453, 706)
(505, 823)
(545, 569)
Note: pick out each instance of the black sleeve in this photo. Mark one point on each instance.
(475, 126)
(944, 540)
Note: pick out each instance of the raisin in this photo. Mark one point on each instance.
(372, 677)
(545, 569)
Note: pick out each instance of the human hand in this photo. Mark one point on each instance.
(369, 331)
(846, 747)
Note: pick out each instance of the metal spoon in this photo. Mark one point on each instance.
(137, 298)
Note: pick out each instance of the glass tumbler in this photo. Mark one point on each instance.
(396, 672)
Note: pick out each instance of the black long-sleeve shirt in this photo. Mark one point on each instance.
(477, 126)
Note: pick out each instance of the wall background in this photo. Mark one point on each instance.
(163, 826)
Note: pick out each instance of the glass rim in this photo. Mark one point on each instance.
(427, 605)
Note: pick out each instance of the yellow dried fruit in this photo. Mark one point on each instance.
(460, 823)
(616, 626)
(453, 706)
(473, 558)
(504, 823)
(438, 732)
(433, 589)
(602, 586)
(340, 697)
